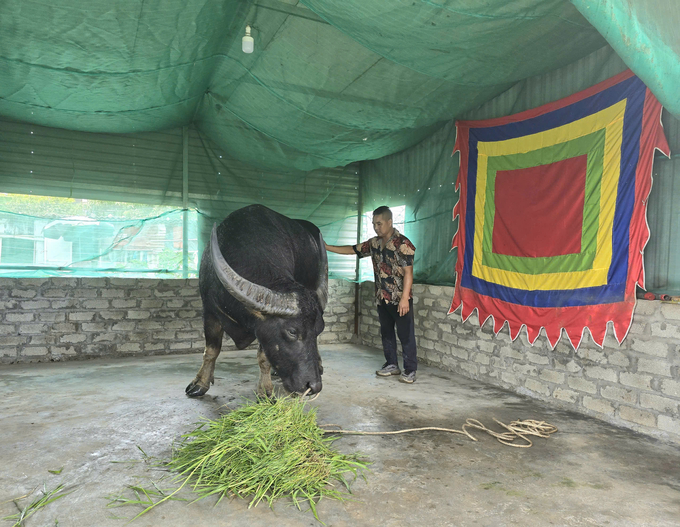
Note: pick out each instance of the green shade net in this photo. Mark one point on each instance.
(428, 196)
(645, 35)
(330, 82)
(219, 185)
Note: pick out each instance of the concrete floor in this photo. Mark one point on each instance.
(84, 416)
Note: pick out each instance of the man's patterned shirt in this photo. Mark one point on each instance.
(388, 265)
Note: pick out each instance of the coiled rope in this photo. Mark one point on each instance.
(516, 430)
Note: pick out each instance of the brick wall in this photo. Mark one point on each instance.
(55, 319)
(635, 385)
(339, 314)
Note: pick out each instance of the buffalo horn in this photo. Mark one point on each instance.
(322, 287)
(253, 296)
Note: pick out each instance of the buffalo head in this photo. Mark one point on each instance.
(289, 320)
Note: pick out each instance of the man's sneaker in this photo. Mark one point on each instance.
(408, 378)
(388, 369)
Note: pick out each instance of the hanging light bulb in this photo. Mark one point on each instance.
(247, 42)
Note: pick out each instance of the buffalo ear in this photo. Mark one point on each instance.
(320, 325)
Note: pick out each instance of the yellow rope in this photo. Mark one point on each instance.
(515, 430)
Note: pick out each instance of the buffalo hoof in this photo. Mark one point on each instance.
(195, 390)
(263, 394)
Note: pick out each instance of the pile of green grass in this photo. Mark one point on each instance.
(264, 451)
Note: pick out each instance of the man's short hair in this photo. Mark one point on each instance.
(383, 211)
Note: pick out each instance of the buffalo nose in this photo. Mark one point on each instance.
(314, 387)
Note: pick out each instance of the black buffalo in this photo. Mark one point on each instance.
(265, 276)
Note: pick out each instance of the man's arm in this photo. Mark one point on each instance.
(343, 249)
(404, 307)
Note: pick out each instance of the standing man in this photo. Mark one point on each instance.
(392, 255)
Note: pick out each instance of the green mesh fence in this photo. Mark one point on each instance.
(102, 239)
(75, 237)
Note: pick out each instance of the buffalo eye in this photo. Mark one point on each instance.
(290, 334)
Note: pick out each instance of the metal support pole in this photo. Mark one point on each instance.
(185, 201)
(357, 287)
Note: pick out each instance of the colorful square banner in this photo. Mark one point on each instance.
(552, 212)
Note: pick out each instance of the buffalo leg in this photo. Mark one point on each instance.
(213, 345)
(265, 388)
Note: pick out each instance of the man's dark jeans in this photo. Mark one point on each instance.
(389, 317)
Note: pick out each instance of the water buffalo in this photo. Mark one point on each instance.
(265, 276)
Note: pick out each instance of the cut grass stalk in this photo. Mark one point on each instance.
(143, 496)
(48, 496)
